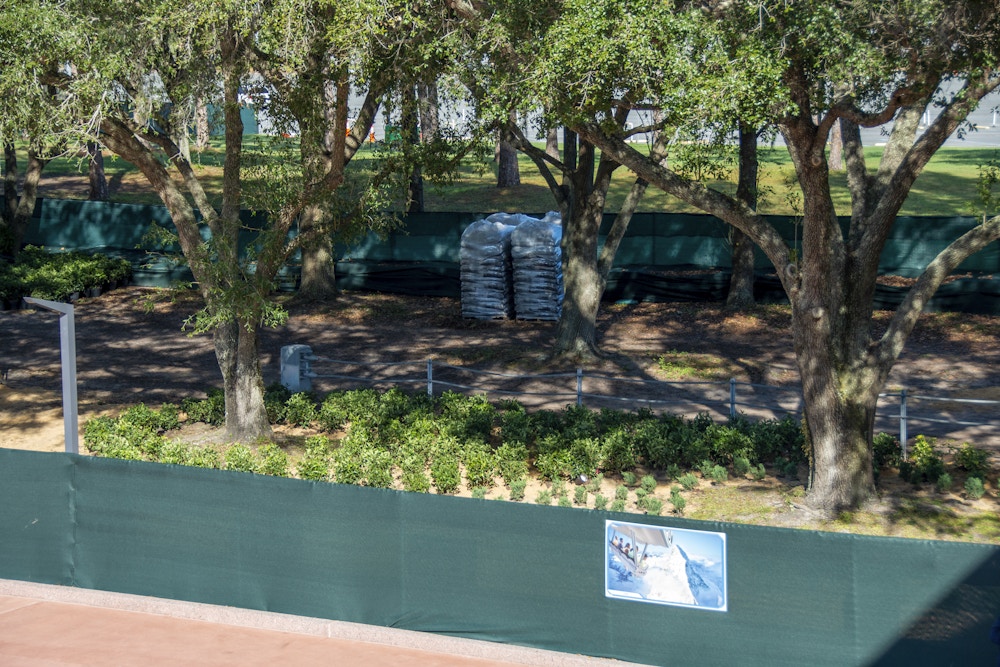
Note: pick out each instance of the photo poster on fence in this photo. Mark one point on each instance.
(672, 566)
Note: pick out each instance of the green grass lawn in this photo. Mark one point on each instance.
(947, 187)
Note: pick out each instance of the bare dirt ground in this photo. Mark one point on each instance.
(131, 347)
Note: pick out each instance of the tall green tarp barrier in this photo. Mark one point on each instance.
(500, 571)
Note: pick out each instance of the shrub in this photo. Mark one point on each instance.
(944, 483)
(378, 468)
(585, 457)
(517, 489)
(688, 481)
(618, 451)
(580, 495)
(600, 502)
(512, 462)
(594, 485)
(275, 396)
(175, 452)
(479, 492)
(718, 474)
(630, 479)
(300, 409)
(791, 470)
(480, 465)
(315, 464)
(673, 472)
(415, 479)
(445, 474)
(555, 464)
(348, 463)
(927, 464)
(544, 497)
(210, 410)
(974, 461)
(741, 466)
(564, 501)
(974, 488)
(618, 505)
(240, 457)
(886, 452)
(728, 442)
(272, 460)
(653, 505)
(677, 500)
(640, 495)
(206, 457)
(621, 493)
(758, 473)
(648, 483)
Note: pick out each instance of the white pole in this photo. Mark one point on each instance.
(67, 351)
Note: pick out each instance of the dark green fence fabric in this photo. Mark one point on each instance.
(499, 571)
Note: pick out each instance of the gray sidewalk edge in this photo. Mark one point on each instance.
(303, 625)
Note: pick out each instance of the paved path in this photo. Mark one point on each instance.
(55, 626)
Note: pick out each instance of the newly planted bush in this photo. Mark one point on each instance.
(378, 468)
(648, 483)
(512, 462)
(517, 489)
(600, 502)
(210, 410)
(240, 457)
(653, 505)
(927, 464)
(688, 481)
(630, 479)
(580, 495)
(974, 488)
(544, 497)
(677, 500)
(480, 465)
(944, 483)
(621, 493)
(974, 461)
(445, 474)
(300, 409)
(741, 466)
(886, 451)
(206, 457)
(272, 460)
(618, 451)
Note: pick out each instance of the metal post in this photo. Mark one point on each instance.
(67, 352)
(430, 378)
(579, 387)
(903, 436)
(732, 398)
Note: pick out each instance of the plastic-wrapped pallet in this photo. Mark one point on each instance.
(486, 272)
(537, 257)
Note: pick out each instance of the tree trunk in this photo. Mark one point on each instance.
(427, 97)
(202, 129)
(740, 295)
(836, 159)
(237, 351)
(576, 335)
(839, 408)
(319, 276)
(508, 172)
(19, 208)
(98, 181)
(552, 143)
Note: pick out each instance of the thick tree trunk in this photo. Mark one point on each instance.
(740, 295)
(582, 284)
(19, 207)
(98, 181)
(836, 159)
(237, 351)
(508, 172)
(319, 278)
(840, 418)
(552, 143)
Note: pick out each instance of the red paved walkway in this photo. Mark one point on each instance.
(50, 626)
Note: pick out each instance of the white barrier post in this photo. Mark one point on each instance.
(732, 398)
(579, 387)
(296, 372)
(903, 435)
(430, 378)
(67, 350)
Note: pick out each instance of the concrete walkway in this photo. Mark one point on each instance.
(50, 626)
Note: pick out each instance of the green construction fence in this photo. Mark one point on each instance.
(422, 256)
(500, 571)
